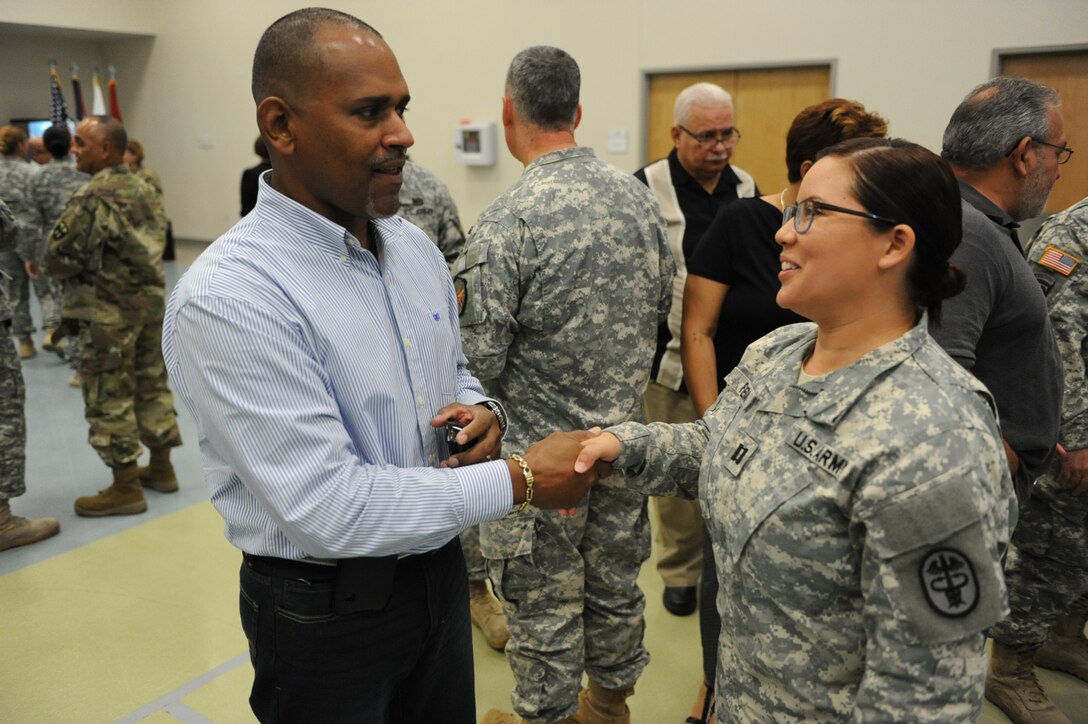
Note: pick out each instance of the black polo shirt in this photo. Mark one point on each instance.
(699, 207)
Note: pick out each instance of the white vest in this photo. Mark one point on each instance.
(671, 372)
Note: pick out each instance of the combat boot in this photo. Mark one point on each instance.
(52, 341)
(76, 380)
(159, 474)
(487, 615)
(26, 347)
(1012, 687)
(16, 531)
(1067, 649)
(124, 497)
(598, 705)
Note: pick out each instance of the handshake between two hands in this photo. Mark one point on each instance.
(565, 465)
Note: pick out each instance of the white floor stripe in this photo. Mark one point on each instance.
(171, 702)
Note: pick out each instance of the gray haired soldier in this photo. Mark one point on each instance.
(563, 282)
(1047, 571)
(14, 530)
(106, 250)
(51, 190)
(15, 180)
(426, 202)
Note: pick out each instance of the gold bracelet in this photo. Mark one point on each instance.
(528, 483)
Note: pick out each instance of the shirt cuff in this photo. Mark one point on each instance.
(489, 492)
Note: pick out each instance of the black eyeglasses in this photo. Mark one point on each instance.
(1064, 152)
(803, 213)
(713, 138)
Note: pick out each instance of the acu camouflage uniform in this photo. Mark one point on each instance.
(563, 282)
(857, 521)
(12, 391)
(15, 189)
(106, 250)
(1047, 571)
(426, 202)
(51, 188)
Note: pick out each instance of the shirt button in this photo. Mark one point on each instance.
(343, 258)
(421, 401)
(407, 343)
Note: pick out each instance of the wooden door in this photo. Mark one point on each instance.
(1067, 73)
(765, 102)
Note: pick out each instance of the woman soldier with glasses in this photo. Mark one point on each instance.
(851, 473)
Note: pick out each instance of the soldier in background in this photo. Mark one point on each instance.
(134, 158)
(426, 202)
(51, 189)
(558, 321)
(1047, 571)
(15, 178)
(37, 153)
(14, 530)
(106, 250)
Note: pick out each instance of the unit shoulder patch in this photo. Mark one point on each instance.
(949, 582)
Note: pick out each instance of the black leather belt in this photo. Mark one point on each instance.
(362, 584)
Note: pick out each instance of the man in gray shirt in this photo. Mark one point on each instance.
(1003, 142)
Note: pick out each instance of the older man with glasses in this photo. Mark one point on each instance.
(691, 185)
(1006, 142)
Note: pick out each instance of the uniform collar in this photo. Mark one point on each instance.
(561, 155)
(826, 400)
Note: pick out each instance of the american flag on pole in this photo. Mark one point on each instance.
(115, 107)
(98, 105)
(77, 94)
(58, 109)
(1056, 259)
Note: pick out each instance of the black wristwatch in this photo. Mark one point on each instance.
(500, 414)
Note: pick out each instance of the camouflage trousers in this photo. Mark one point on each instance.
(1047, 570)
(568, 589)
(474, 559)
(12, 424)
(125, 392)
(18, 289)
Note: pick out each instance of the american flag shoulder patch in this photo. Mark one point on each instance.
(1056, 259)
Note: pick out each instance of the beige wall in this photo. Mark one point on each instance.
(911, 61)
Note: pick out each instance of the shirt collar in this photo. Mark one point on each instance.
(681, 177)
(282, 210)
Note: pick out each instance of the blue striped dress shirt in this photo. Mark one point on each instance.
(313, 372)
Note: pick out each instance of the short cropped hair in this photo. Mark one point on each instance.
(700, 94)
(825, 124)
(900, 180)
(57, 140)
(115, 133)
(10, 138)
(286, 52)
(993, 118)
(544, 84)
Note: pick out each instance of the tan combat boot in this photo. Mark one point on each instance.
(124, 497)
(598, 705)
(26, 347)
(159, 474)
(1012, 687)
(76, 380)
(1067, 649)
(16, 531)
(487, 615)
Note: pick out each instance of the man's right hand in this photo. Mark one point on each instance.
(556, 485)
